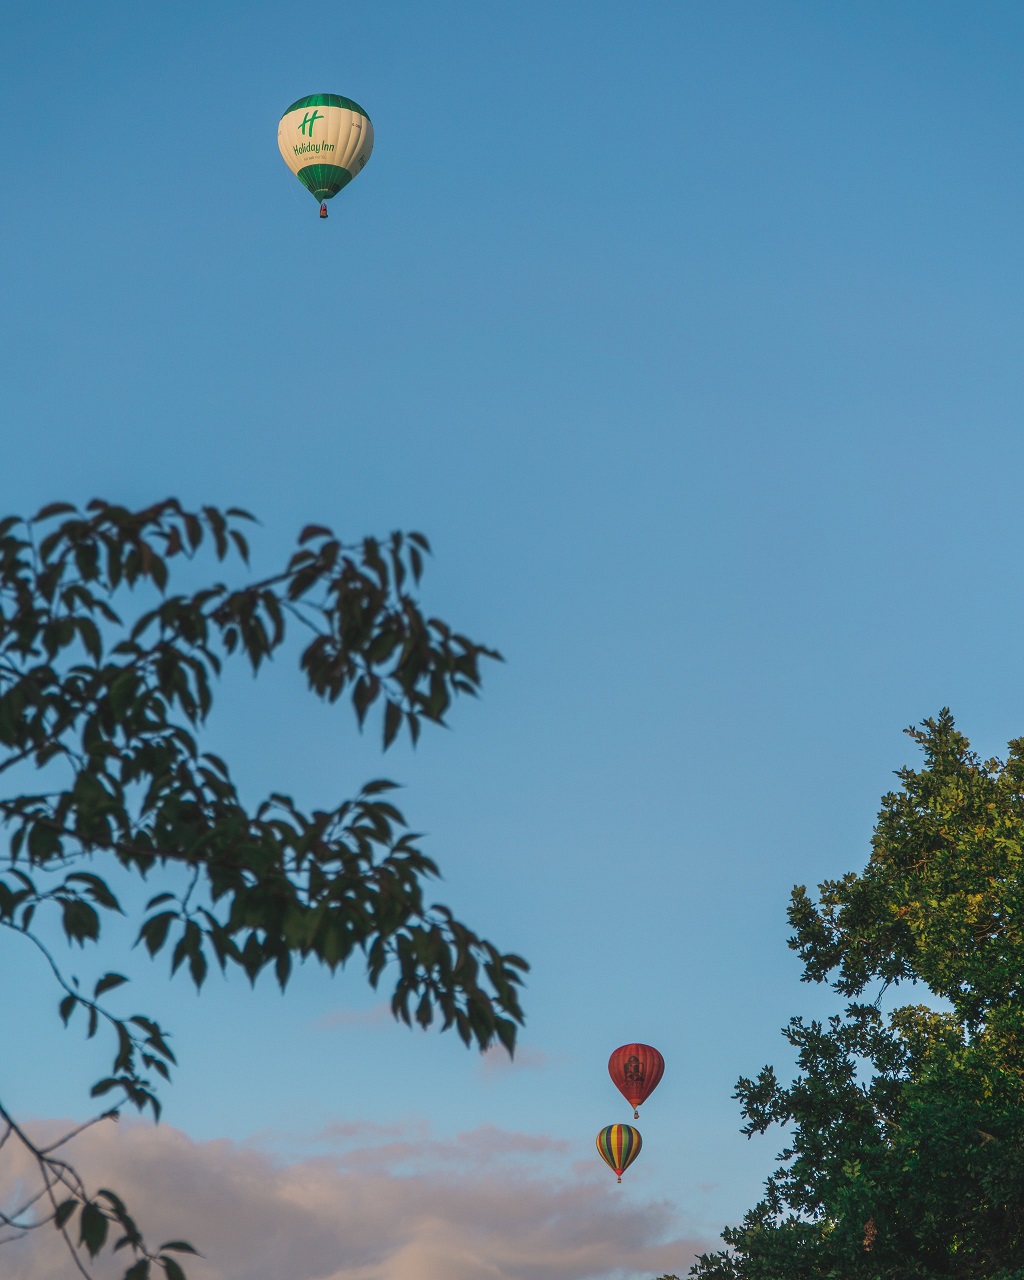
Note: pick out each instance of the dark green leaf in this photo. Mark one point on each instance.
(392, 722)
(63, 1212)
(154, 931)
(92, 1227)
(54, 509)
(108, 982)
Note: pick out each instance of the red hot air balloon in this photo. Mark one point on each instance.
(619, 1145)
(635, 1070)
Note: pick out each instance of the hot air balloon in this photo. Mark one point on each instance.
(619, 1145)
(635, 1070)
(325, 141)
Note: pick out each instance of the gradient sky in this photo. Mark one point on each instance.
(690, 333)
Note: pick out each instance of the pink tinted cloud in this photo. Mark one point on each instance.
(377, 1015)
(495, 1062)
(471, 1216)
(342, 1133)
(485, 1147)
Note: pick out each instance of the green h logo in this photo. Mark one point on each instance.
(310, 120)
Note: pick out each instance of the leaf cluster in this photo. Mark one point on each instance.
(107, 700)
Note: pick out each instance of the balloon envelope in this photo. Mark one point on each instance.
(636, 1070)
(325, 141)
(619, 1145)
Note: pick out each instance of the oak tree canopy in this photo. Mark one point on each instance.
(904, 1124)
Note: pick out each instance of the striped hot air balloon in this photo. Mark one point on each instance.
(635, 1070)
(325, 140)
(619, 1145)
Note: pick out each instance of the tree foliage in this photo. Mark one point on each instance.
(106, 682)
(905, 1151)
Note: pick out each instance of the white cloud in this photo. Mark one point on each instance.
(460, 1209)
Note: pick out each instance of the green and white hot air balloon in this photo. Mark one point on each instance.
(325, 140)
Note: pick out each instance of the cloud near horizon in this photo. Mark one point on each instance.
(464, 1209)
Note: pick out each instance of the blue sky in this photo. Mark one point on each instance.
(690, 335)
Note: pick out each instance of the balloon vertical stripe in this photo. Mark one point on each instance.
(619, 1145)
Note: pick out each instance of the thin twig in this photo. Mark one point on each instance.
(111, 1114)
(67, 1240)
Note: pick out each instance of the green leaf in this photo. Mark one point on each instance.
(80, 921)
(122, 692)
(44, 843)
(108, 983)
(218, 526)
(154, 931)
(154, 1036)
(54, 509)
(392, 722)
(98, 889)
(197, 963)
(377, 786)
(63, 1212)
(90, 637)
(505, 1030)
(241, 544)
(115, 1202)
(416, 563)
(92, 1228)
